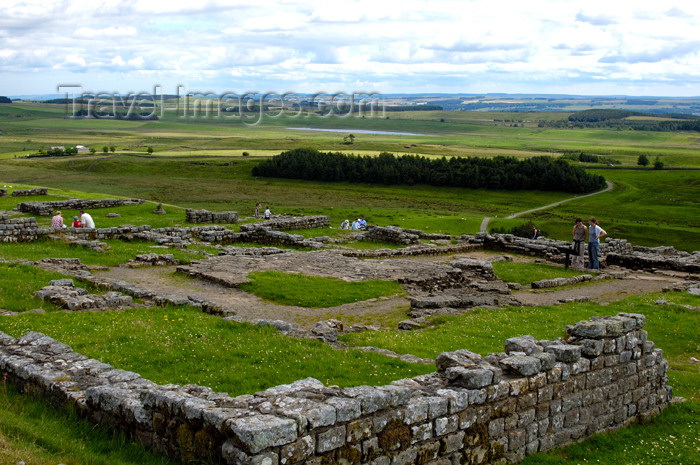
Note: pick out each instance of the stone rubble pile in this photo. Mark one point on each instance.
(206, 216)
(535, 396)
(28, 192)
(63, 293)
(3, 192)
(48, 208)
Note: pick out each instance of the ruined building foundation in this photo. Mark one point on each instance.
(534, 396)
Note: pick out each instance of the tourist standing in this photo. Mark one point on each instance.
(535, 232)
(579, 233)
(257, 210)
(57, 220)
(86, 220)
(595, 232)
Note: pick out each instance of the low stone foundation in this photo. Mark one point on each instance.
(390, 234)
(284, 223)
(28, 192)
(535, 396)
(48, 208)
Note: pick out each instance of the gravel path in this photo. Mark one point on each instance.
(485, 222)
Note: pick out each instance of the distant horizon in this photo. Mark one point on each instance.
(48, 96)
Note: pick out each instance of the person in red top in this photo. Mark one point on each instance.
(77, 223)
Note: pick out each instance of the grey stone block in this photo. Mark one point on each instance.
(259, 432)
(522, 365)
(565, 352)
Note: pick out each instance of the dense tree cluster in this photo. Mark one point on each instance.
(595, 115)
(586, 158)
(55, 152)
(538, 173)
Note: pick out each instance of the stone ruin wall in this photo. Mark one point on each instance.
(48, 208)
(20, 229)
(289, 223)
(535, 396)
(29, 192)
(612, 252)
(206, 216)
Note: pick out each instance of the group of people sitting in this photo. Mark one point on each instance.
(356, 225)
(83, 221)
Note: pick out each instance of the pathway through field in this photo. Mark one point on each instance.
(485, 222)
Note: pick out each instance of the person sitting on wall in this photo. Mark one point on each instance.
(362, 222)
(356, 225)
(86, 220)
(57, 220)
(268, 214)
(345, 224)
(77, 223)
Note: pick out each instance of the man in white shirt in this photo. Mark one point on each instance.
(86, 219)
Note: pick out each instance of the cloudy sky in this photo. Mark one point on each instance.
(407, 46)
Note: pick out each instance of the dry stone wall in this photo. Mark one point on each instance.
(48, 208)
(534, 396)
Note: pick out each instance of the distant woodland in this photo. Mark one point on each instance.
(538, 173)
(622, 119)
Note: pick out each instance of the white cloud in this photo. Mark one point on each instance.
(411, 45)
(106, 32)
